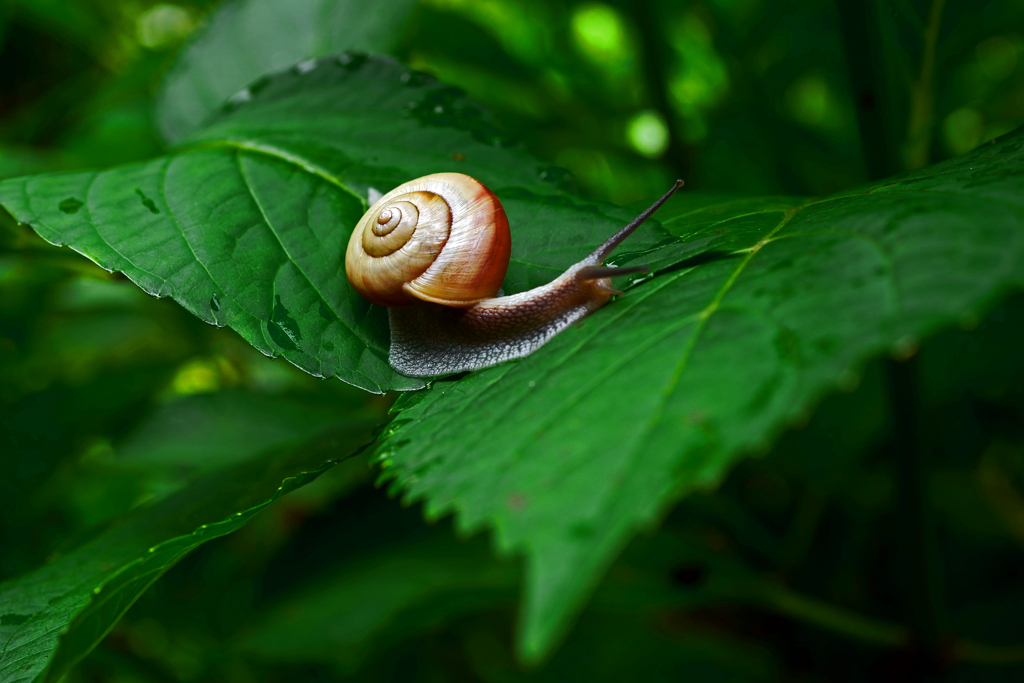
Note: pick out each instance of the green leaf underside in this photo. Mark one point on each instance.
(358, 611)
(246, 226)
(347, 616)
(53, 617)
(569, 451)
(246, 39)
(206, 431)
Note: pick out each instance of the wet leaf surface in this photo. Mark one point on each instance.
(569, 451)
(51, 618)
(246, 225)
(245, 40)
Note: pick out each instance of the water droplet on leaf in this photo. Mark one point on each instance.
(147, 202)
(70, 205)
(283, 328)
(415, 79)
(238, 99)
(352, 60)
(305, 67)
(258, 85)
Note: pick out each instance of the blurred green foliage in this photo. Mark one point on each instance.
(111, 401)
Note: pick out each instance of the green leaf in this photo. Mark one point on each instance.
(248, 38)
(567, 452)
(246, 225)
(627, 647)
(211, 430)
(423, 583)
(54, 616)
(368, 606)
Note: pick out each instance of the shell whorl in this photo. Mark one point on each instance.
(442, 238)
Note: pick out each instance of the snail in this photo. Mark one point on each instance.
(435, 251)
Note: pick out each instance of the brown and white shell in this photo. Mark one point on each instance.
(442, 238)
(435, 251)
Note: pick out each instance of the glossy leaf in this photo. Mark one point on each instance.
(197, 433)
(346, 617)
(52, 617)
(246, 225)
(424, 583)
(567, 452)
(248, 38)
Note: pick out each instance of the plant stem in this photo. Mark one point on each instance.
(858, 20)
(981, 653)
(863, 44)
(922, 113)
(920, 577)
(836, 619)
(878, 632)
(802, 528)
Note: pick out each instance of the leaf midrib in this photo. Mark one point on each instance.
(276, 153)
(280, 155)
(270, 226)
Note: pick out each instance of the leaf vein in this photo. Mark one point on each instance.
(162, 187)
(266, 219)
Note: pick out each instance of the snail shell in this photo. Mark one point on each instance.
(442, 238)
(435, 251)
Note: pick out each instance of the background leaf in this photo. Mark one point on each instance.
(207, 431)
(54, 616)
(362, 609)
(249, 38)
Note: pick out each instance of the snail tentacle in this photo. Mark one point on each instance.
(608, 246)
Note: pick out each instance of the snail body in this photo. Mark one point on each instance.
(435, 251)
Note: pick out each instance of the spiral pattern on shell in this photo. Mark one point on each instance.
(442, 238)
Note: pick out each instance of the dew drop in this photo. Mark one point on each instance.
(70, 205)
(352, 60)
(554, 175)
(305, 67)
(215, 302)
(283, 328)
(238, 99)
(147, 202)
(258, 85)
(414, 79)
